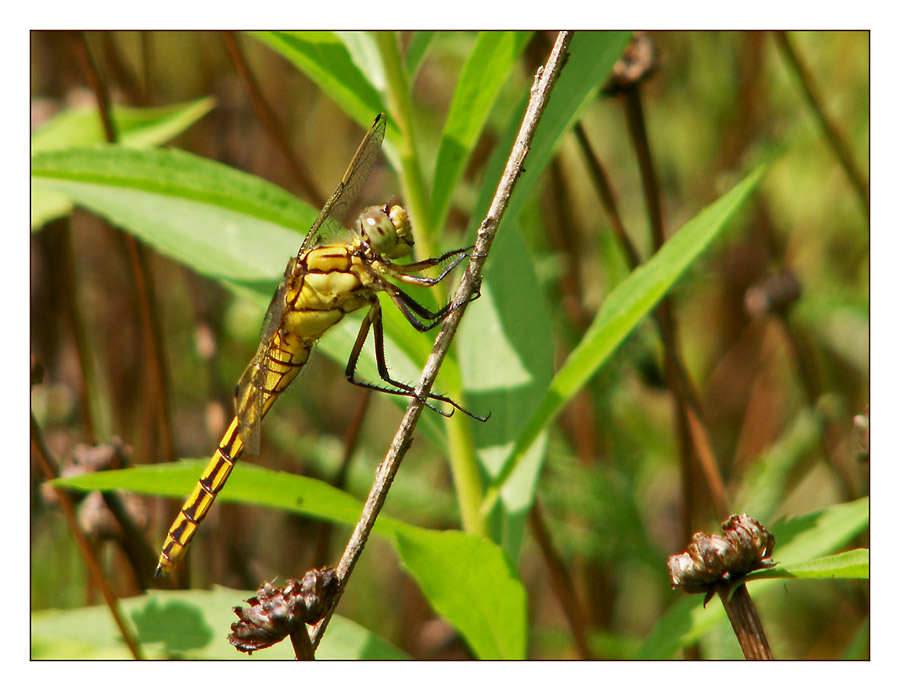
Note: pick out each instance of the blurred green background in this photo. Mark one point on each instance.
(612, 493)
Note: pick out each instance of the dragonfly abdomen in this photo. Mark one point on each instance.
(198, 503)
(283, 360)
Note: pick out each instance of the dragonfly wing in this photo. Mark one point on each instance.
(275, 312)
(329, 222)
(250, 393)
(249, 399)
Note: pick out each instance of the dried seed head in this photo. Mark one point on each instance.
(744, 546)
(318, 589)
(861, 436)
(637, 64)
(94, 517)
(773, 295)
(275, 613)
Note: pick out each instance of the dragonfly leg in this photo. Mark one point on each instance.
(373, 320)
(404, 272)
(410, 308)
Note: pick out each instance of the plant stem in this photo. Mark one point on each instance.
(829, 129)
(745, 622)
(266, 114)
(141, 276)
(411, 179)
(48, 469)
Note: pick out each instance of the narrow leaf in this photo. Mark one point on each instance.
(483, 75)
(416, 52)
(852, 564)
(136, 127)
(326, 60)
(624, 308)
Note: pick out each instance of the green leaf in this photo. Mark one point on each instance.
(415, 54)
(507, 361)
(469, 581)
(136, 127)
(224, 224)
(482, 77)
(248, 484)
(852, 564)
(466, 579)
(763, 488)
(797, 540)
(187, 624)
(623, 309)
(591, 59)
(509, 378)
(800, 538)
(325, 58)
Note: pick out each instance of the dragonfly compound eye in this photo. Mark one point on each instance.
(388, 233)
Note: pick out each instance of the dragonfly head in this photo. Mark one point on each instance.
(388, 230)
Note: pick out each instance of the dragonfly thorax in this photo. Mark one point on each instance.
(387, 230)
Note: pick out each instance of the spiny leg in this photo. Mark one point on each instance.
(373, 318)
(410, 308)
(403, 272)
(408, 305)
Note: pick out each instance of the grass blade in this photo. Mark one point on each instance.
(623, 309)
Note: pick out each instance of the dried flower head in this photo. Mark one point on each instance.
(773, 295)
(94, 515)
(637, 64)
(276, 613)
(744, 546)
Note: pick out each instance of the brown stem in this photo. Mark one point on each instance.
(607, 196)
(686, 400)
(689, 419)
(152, 329)
(69, 298)
(637, 128)
(269, 120)
(745, 622)
(48, 469)
(829, 129)
(560, 581)
(303, 647)
(387, 470)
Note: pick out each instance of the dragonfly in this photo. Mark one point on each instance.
(337, 271)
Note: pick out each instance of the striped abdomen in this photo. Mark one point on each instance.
(280, 363)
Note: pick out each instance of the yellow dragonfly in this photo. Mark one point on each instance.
(336, 271)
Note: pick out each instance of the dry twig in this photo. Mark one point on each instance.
(384, 475)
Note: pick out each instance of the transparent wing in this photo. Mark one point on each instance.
(249, 399)
(329, 223)
(249, 394)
